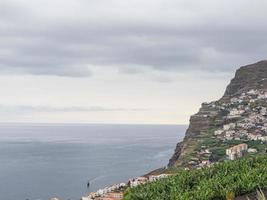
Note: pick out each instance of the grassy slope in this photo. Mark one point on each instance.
(239, 177)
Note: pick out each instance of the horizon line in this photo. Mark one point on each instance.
(92, 123)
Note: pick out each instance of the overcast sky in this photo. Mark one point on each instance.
(122, 61)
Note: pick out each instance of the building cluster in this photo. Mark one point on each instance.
(247, 117)
(246, 120)
(141, 180)
(108, 193)
(201, 159)
(241, 119)
(115, 192)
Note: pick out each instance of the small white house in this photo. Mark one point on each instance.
(218, 132)
(227, 127)
(252, 150)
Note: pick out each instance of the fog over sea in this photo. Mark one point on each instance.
(41, 161)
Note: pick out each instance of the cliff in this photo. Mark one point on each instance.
(248, 77)
(200, 143)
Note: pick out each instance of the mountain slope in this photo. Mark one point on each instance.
(239, 117)
(216, 182)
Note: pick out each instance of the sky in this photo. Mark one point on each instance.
(122, 61)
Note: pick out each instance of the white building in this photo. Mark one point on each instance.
(137, 181)
(227, 127)
(252, 92)
(252, 150)
(236, 151)
(157, 177)
(218, 132)
(86, 198)
(235, 112)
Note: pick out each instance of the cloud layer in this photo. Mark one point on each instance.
(69, 38)
(38, 109)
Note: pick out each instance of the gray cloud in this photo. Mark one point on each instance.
(66, 46)
(30, 109)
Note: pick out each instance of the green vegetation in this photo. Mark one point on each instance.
(219, 151)
(221, 181)
(209, 142)
(256, 144)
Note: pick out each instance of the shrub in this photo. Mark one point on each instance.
(239, 177)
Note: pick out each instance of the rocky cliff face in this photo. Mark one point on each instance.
(252, 76)
(248, 77)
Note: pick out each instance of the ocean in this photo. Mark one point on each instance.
(41, 161)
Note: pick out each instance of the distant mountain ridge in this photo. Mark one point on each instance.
(213, 116)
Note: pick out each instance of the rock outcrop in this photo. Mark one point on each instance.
(252, 76)
(248, 77)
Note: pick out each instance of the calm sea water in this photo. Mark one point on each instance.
(41, 161)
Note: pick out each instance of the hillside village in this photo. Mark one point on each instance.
(115, 192)
(239, 128)
(248, 113)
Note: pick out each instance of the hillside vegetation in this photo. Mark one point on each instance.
(214, 182)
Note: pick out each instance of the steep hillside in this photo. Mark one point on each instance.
(239, 117)
(222, 180)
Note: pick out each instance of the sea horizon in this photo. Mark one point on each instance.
(90, 123)
(42, 160)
